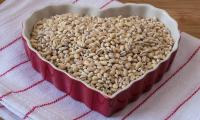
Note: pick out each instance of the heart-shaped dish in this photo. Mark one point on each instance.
(79, 90)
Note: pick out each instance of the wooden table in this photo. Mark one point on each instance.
(1, 1)
(186, 12)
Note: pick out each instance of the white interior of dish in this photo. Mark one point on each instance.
(129, 9)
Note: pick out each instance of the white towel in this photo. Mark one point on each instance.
(25, 95)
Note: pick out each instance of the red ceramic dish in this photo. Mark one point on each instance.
(95, 99)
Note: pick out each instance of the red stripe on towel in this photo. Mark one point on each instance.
(33, 85)
(45, 104)
(25, 89)
(14, 67)
(177, 71)
(9, 44)
(180, 105)
(2, 106)
(5, 95)
(107, 3)
(82, 115)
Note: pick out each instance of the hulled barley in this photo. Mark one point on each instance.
(106, 53)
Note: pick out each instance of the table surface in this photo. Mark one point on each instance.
(186, 12)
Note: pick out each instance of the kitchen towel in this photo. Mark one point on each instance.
(24, 94)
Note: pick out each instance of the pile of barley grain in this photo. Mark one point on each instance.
(106, 53)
